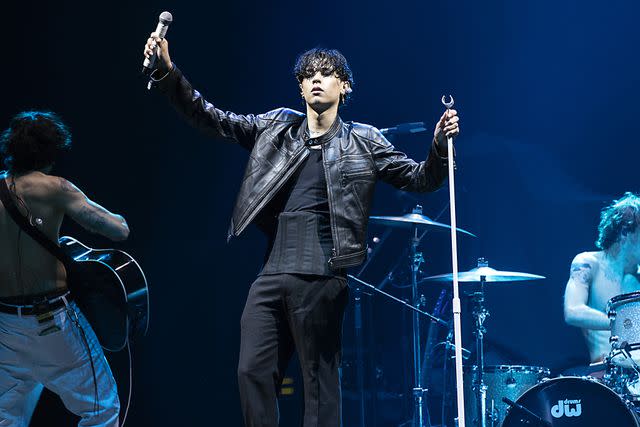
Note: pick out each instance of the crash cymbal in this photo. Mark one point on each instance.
(489, 274)
(413, 220)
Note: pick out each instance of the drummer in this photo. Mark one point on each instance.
(598, 276)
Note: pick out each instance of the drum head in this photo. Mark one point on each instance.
(571, 401)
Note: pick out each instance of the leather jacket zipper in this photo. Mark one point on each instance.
(278, 183)
(332, 216)
(364, 173)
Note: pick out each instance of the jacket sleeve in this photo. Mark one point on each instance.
(204, 116)
(395, 168)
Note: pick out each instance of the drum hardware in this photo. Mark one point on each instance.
(482, 274)
(414, 222)
(359, 346)
(418, 391)
(625, 382)
(480, 314)
(631, 390)
(615, 377)
(399, 301)
(526, 413)
(626, 349)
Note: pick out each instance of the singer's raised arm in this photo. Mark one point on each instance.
(204, 116)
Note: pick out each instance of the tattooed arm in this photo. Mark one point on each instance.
(576, 296)
(89, 214)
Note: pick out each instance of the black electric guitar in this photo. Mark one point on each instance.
(111, 290)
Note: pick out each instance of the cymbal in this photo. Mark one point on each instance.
(414, 220)
(489, 274)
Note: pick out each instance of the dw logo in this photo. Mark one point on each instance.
(568, 408)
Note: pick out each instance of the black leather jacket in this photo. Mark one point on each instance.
(355, 156)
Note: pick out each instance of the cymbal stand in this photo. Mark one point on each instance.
(480, 314)
(416, 260)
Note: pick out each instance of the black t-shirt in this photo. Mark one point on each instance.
(308, 188)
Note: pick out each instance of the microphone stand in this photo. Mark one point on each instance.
(457, 324)
(437, 320)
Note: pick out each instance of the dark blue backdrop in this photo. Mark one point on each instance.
(546, 91)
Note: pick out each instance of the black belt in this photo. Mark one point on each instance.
(37, 307)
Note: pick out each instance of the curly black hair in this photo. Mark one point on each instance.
(33, 141)
(618, 219)
(327, 61)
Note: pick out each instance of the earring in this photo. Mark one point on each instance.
(343, 98)
(302, 95)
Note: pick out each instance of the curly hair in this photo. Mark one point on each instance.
(618, 219)
(328, 62)
(33, 140)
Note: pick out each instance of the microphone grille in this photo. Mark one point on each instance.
(166, 17)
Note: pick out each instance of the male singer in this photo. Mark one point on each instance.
(308, 184)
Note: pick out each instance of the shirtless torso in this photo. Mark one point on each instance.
(595, 278)
(25, 267)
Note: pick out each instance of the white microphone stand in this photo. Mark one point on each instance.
(454, 259)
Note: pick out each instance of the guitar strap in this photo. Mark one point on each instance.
(53, 249)
(22, 222)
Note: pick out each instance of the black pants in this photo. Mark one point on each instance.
(286, 312)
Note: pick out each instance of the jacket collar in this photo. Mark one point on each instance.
(326, 137)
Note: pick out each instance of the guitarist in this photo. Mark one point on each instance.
(45, 341)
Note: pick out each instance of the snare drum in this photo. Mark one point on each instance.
(572, 402)
(624, 314)
(501, 381)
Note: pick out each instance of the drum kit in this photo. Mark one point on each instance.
(515, 395)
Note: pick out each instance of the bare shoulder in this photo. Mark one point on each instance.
(590, 257)
(39, 185)
(57, 189)
(584, 265)
(63, 185)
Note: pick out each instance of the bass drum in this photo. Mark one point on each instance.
(571, 401)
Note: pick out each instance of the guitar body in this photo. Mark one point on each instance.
(111, 290)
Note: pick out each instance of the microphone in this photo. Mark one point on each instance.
(164, 20)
